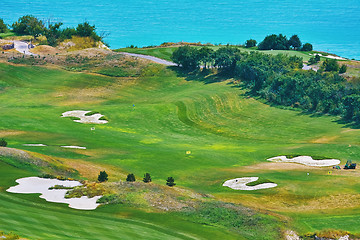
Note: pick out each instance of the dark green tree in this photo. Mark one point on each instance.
(29, 25)
(147, 178)
(3, 26)
(314, 59)
(205, 55)
(53, 33)
(343, 69)
(3, 143)
(250, 43)
(187, 57)
(307, 47)
(275, 42)
(130, 177)
(103, 176)
(226, 57)
(330, 65)
(294, 42)
(87, 30)
(170, 182)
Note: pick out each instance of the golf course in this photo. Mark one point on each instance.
(200, 129)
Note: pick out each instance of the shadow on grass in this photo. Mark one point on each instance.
(206, 76)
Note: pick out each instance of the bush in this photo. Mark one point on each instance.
(276, 42)
(307, 47)
(343, 69)
(330, 65)
(170, 182)
(130, 177)
(250, 43)
(28, 25)
(3, 27)
(103, 176)
(147, 178)
(3, 143)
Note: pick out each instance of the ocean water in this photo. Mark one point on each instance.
(330, 25)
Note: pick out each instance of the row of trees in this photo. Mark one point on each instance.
(30, 25)
(280, 42)
(280, 80)
(103, 177)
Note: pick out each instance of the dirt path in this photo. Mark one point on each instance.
(151, 58)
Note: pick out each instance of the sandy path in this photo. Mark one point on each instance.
(151, 58)
(22, 47)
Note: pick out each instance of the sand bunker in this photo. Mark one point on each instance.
(75, 147)
(35, 145)
(306, 160)
(240, 184)
(42, 185)
(95, 118)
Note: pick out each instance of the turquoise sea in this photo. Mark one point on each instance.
(330, 25)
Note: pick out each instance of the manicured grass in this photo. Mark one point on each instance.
(166, 52)
(153, 121)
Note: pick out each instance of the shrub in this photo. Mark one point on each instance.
(3, 143)
(3, 27)
(170, 182)
(331, 65)
(130, 178)
(103, 176)
(250, 43)
(307, 47)
(147, 178)
(343, 69)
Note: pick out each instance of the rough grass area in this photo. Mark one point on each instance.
(9, 236)
(246, 222)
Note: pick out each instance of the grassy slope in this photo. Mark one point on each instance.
(224, 130)
(166, 52)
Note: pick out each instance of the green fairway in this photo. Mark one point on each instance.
(153, 121)
(166, 52)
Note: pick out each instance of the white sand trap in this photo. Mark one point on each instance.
(75, 147)
(306, 160)
(85, 119)
(35, 145)
(42, 185)
(240, 184)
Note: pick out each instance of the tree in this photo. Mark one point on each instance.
(314, 59)
(103, 176)
(53, 33)
(130, 177)
(307, 47)
(187, 57)
(275, 42)
(29, 25)
(330, 65)
(250, 43)
(343, 69)
(3, 143)
(86, 30)
(170, 182)
(3, 26)
(295, 42)
(147, 178)
(205, 55)
(226, 57)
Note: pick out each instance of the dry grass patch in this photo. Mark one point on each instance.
(5, 133)
(45, 50)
